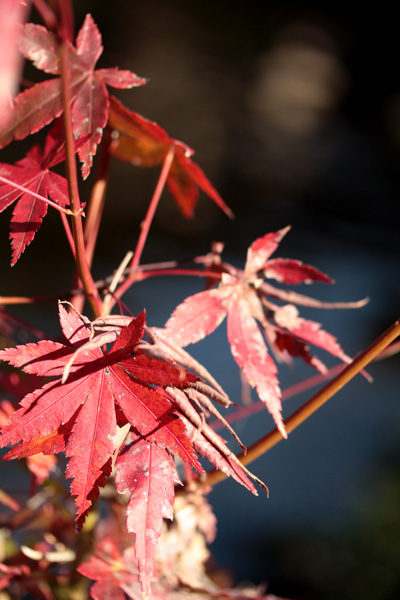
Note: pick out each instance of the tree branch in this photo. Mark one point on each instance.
(310, 407)
(83, 269)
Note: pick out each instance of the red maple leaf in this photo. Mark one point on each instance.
(206, 442)
(33, 174)
(80, 416)
(39, 105)
(144, 143)
(8, 573)
(38, 464)
(224, 461)
(148, 474)
(134, 383)
(115, 572)
(244, 298)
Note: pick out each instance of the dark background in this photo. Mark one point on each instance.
(294, 112)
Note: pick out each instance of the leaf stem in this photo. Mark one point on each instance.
(102, 285)
(313, 404)
(47, 14)
(8, 300)
(145, 227)
(21, 188)
(69, 235)
(95, 209)
(83, 269)
(97, 198)
(145, 274)
(115, 281)
(246, 411)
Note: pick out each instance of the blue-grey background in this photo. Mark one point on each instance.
(294, 112)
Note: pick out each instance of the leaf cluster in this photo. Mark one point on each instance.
(132, 411)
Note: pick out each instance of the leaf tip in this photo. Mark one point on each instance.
(229, 213)
(284, 231)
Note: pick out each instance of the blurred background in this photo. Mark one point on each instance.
(293, 109)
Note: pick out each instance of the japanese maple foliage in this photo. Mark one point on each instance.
(125, 402)
(148, 474)
(39, 105)
(95, 394)
(180, 565)
(32, 173)
(54, 418)
(144, 143)
(242, 297)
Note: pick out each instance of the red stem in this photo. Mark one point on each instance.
(141, 275)
(85, 275)
(95, 210)
(97, 198)
(102, 284)
(65, 20)
(289, 392)
(36, 332)
(69, 235)
(130, 280)
(152, 208)
(47, 14)
(25, 190)
(305, 411)
(8, 300)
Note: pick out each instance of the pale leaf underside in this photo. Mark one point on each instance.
(147, 473)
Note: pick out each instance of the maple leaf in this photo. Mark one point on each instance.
(181, 565)
(80, 416)
(205, 440)
(39, 105)
(141, 142)
(243, 298)
(115, 572)
(33, 174)
(41, 466)
(8, 573)
(147, 472)
(219, 456)
(94, 392)
(38, 464)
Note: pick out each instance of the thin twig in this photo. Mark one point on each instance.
(98, 196)
(152, 208)
(305, 411)
(8, 300)
(47, 14)
(145, 274)
(95, 208)
(246, 411)
(69, 235)
(25, 190)
(125, 285)
(115, 281)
